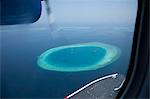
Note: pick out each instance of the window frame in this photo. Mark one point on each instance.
(139, 62)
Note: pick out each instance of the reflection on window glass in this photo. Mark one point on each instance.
(73, 43)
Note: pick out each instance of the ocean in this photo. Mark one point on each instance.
(21, 46)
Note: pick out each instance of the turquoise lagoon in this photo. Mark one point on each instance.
(78, 57)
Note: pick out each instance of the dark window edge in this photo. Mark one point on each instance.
(139, 62)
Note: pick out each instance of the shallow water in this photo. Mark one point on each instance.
(78, 57)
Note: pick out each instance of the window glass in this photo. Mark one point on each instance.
(72, 44)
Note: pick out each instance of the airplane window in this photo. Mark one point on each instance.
(77, 49)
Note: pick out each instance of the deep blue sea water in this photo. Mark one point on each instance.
(21, 45)
(22, 77)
